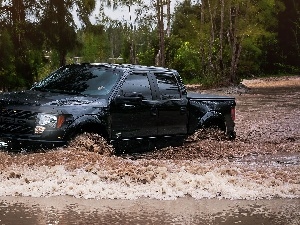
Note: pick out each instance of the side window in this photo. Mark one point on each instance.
(137, 84)
(168, 86)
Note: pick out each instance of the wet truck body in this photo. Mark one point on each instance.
(125, 104)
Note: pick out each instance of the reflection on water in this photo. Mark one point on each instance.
(68, 210)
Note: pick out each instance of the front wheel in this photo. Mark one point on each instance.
(91, 142)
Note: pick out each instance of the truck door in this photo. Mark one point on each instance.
(132, 112)
(172, 107)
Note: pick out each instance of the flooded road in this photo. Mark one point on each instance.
(254, 179)
(68, 210)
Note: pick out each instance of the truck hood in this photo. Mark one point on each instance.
(207, 97)
(38, 99)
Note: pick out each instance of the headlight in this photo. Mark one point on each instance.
(48, 120)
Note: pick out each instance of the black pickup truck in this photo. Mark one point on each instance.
(123, 103)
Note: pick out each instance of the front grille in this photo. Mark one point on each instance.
(15, 129)
(20, 114)
(17, 121)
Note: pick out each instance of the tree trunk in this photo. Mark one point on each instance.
(235, 43)
(296, 30)
(221, 38)
(62, 58)
(212, 35)
(161, 36)
(158, 57)
(201, 43)
(168, 18)
(18, 21)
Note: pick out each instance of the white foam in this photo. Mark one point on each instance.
(157, 182)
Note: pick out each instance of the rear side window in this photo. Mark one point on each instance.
(168, 86)
(137, 84)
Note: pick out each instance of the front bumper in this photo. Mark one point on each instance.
(25, 143)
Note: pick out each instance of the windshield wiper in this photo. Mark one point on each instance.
(70, 92)
(42, 89)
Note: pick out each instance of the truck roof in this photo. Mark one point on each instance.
(132, 67)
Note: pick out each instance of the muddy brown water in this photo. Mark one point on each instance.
(68, 210)
(254, 179)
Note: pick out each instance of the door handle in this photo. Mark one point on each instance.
(129, 106)
(182, 110)
(153, 111)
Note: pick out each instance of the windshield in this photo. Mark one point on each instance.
(78, 79)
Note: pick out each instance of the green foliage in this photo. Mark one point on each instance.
(58, 26)
(187, 22)
(147, 57)
(7, 66)
(230, 45)
(146, 42)
(116, 34)
(187, 58)
(85, 8)
(94, 44)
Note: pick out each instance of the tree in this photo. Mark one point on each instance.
(230, 35)
(25, 39)
(29, 23)
(153, 15)
(128, 29)
(161, 55)
(7, 67)
(289, 35)
(58, 24)
(95, 43)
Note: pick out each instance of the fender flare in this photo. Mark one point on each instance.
(89, 123)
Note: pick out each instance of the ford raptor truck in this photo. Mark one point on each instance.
(125, 104)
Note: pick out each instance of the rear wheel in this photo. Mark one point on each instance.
(213, 133)
(220, 128)
(231, 135)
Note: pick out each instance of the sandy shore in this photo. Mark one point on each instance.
(286, 81)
